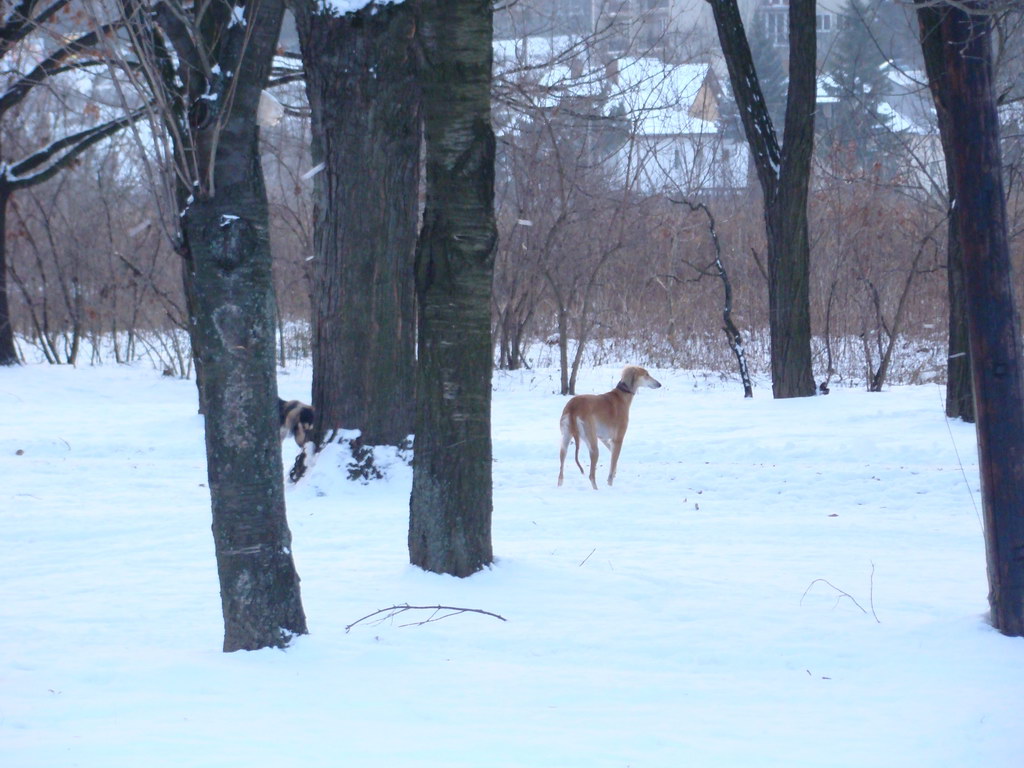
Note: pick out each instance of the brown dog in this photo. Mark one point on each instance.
(601, 417)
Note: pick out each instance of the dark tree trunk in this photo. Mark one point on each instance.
(450, 507)
(959, 392)
(784, 175)
(980, 209)
(362, 88)
(188, 280)
(959, 389)
(563, 347)
(8, 352)
(226, 241)
(234, 334)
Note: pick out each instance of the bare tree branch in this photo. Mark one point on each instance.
(54, 64)
(61, 153)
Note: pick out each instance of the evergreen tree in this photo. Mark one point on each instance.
(771, 73)
(857, 80)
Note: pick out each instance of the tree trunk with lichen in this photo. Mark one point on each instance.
(226, 242)
(234, 335)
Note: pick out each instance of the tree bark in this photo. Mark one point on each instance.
(224, 66)
(234, 334)
(959, 392)
(450, 506)
(784, 176)
(366, 125)
(998, 376)
(8, 352)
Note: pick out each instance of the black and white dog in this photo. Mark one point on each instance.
(296, 420)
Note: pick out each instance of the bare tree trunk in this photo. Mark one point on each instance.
(877, 378)
(563, 348)
(996, 350)
(784, 175)
(188, 283)
(222, 67)
(8, 353)
(732, 333)
(450, 507)
(234, 334)
(959, 391)
(959, 387)
(363, 93)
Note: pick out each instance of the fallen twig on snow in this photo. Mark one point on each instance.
(437, 615)
(843, 594)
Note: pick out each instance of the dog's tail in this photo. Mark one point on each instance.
(574, 433)
(577, 456)
(570, 431)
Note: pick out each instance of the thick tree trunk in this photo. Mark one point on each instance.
(959, 392)
(363, 93)
(789, 247)
(234, 333)
(959, 389)
(784, 175)
(450, 507)
(8, 352)
(789, 295)
(998, 369)
(225, 235)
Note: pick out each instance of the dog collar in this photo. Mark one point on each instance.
(623, 387)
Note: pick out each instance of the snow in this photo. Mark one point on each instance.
(341, 7)
(313, 171)
(659, 99)
(692, 615)
(663, 99)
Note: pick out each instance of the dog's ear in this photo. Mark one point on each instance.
(630, 374)
(628, 377)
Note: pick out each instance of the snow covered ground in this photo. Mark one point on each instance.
(770, 583)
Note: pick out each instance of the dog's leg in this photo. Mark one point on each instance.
(616, 447)
(578, 429)
(566, 437)
(590, 434)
